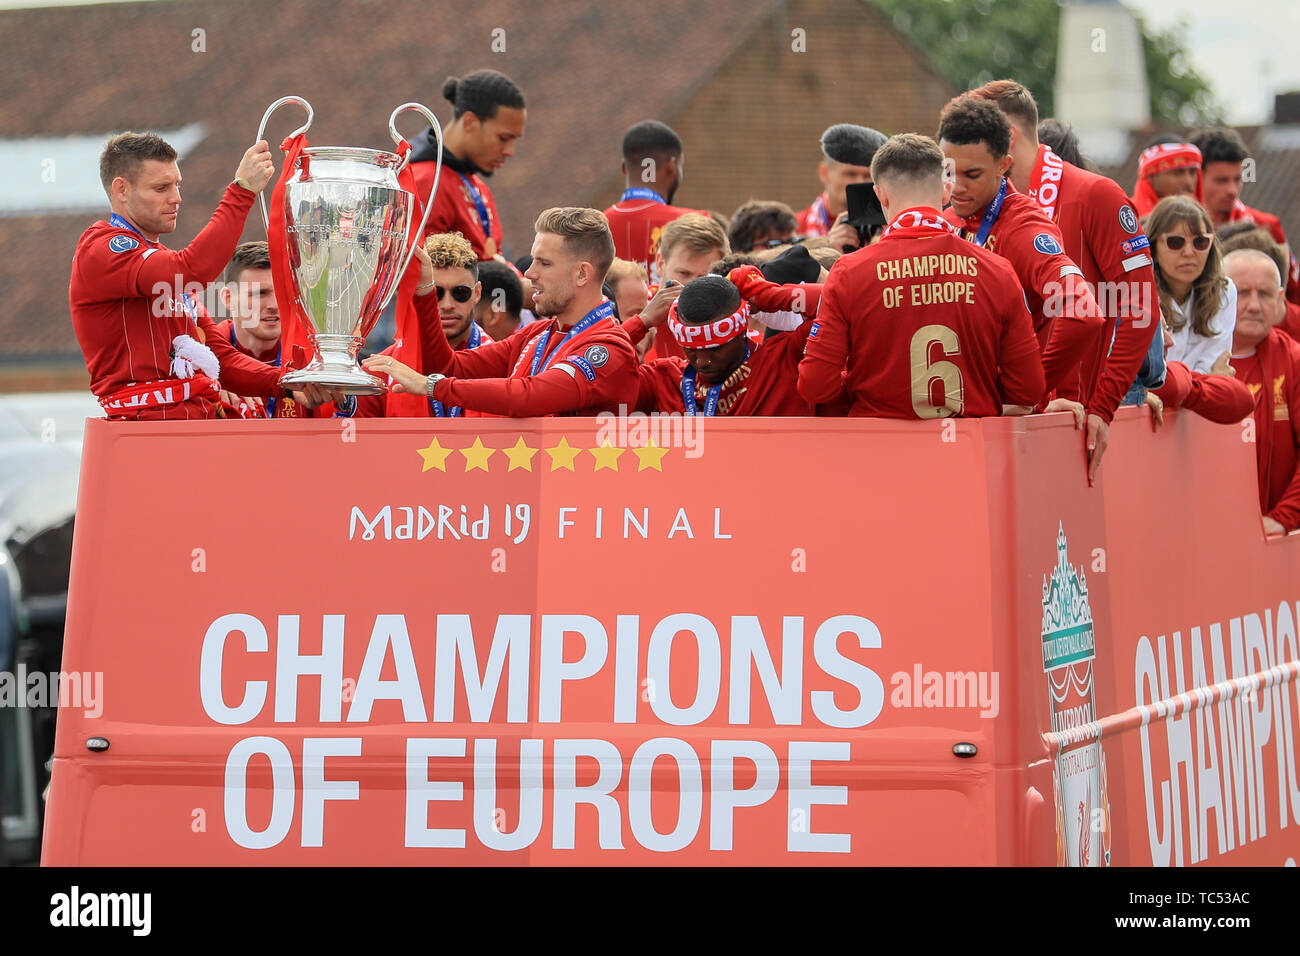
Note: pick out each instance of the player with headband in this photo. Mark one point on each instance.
(724, 373)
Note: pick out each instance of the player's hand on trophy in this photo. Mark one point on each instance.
(256, 168)
(421, 256)
(405, 378)
(1273, 526)
(312, 395)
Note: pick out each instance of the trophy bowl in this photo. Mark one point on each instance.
(346, 223)
(348, 234)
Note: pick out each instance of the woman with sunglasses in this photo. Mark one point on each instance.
(1197, 298)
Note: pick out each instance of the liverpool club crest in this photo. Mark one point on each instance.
(1079, 772)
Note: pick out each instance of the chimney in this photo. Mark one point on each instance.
(1101, 80)
(1286, 108)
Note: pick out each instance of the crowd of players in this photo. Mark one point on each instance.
(1001, 275)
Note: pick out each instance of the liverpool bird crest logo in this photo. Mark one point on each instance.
(1079, 771)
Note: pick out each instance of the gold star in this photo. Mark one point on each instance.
(477, 455)
(606, 456)
(521, 456)
(435, 456)
(650, 457)
(562, 455)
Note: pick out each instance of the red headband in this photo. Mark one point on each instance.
(709, 336)
(1166, 156)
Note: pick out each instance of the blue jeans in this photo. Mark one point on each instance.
(1152, 372)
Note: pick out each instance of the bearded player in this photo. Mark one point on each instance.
(575, 360)
(975, 138)
(921, 324)
(151, 351)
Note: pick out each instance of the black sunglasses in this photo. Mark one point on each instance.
(1199, 243)
(460, 293)
(773, 243)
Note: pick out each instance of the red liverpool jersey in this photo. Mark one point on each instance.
(588, 373)
(1066, 324)
(1273, 376)
(464, 204)
(1104, 238)
(924, 325)
(128, 303)
(765, 383)
(637, 224)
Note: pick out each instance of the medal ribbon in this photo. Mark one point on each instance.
(603, 311)
(642, 193)
(484, 216)
(710, 398)
(991, 215)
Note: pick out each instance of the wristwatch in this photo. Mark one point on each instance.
(431, 382)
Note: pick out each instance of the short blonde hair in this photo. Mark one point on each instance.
(585, 233)
(451, 250)
(621, 269)
(696, 232)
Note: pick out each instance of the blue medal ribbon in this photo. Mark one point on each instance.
(688, 395)
(643, 193)
(121, 223)
(991, 215)
(484, 217)
(603, 311)
(436, 408)
(710, 398)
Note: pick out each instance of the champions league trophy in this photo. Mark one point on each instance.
(346, 225)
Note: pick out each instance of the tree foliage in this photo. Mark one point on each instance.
(974, 41)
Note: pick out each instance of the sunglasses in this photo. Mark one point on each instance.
(773, 243)
(1199, 243)
(460, 293)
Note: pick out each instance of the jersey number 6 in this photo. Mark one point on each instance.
(924, 372)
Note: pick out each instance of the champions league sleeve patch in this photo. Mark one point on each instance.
(596, 355)
(1130, 246)
(812, 333)
(1047, 244)
(1128, 219)
(584, 365)
(122, 243)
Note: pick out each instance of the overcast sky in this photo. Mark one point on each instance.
(1245, 48)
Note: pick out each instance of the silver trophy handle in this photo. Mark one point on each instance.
(437, 174)
(311, 115)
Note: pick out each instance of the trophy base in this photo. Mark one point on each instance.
(347, 381)
(335, 366)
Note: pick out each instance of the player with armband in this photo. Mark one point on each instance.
(921, 324)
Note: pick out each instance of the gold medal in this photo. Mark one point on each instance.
(490, 247)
